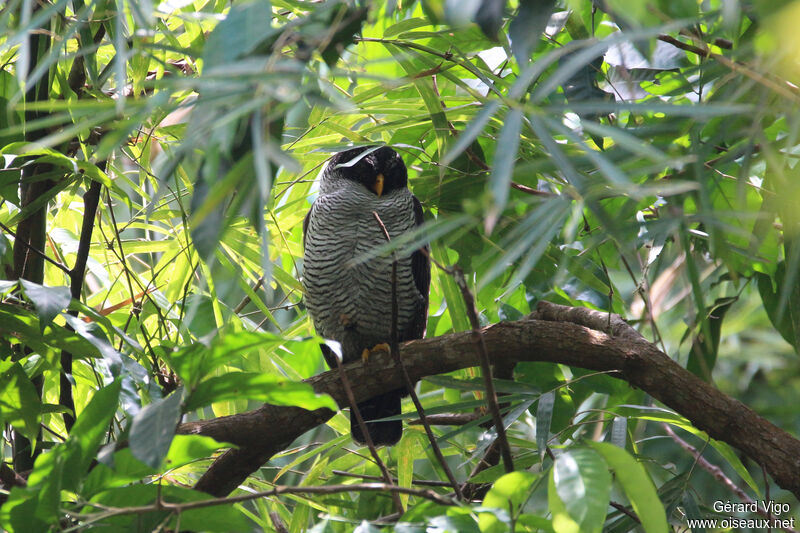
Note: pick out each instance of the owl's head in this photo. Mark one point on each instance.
(378, 168)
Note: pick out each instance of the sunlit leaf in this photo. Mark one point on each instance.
(637, 485)
(267, 388)
(48, 301)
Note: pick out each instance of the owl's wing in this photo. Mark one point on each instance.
(421, 271)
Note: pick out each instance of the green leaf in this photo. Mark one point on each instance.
(192, 363)
(562, 521)
(66, 465)
(53, 157)
(503, 165)
(411, 445)
(185, 449)
(493, 473)
(455, 302)
(703, 354)
(583, 484)
(154, 427)
(490, 17)
(461, 523)
(88, 433)
(637, 485)
(619, 431)
(22, 324)
(512, 488)
(658, 414)
(20, 405)
(508, 493)
(221, 518)
(48, 301)
(246, 26)
(771, 299)
(471, 132)
(18, 514)
(267, 388)
(544, 418)
(527, 27)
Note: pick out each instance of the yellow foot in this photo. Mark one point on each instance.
(382, 347)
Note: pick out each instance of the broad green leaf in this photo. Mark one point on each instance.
(637, 485)
(88, 433)
(562, 521)
(19, 513)
(20, 405)
(197, 360)
(771, 299)
(527, 27)
(544, 417)
(154, 427)
(490, 17)
(221, 518)
(66, 465)
(48, 155)
(48, 301)
(187, 448)
(503, 165)
(619, 431)
(508, 493)
(246, 26)
(410, 446)
(267, 388)
(658, 414)
(583, 483)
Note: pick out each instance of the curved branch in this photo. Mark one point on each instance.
(556, 334)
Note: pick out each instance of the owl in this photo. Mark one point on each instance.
(348, 298)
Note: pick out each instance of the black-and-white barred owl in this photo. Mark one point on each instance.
(351, 302)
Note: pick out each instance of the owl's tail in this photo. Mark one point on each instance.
(382, 433)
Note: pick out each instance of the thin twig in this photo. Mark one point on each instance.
(177, 508)
(395, 350)
(246, 299)
(420, 482)
(494, 408)
(622, 509)
(476, 491)
(449, 419)
(277, 522)
(530, 190)
(35, 250)
(717, 473)
(781, 87)
(486, 368)
(367, 437)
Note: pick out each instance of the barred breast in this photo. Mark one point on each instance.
(349, 300)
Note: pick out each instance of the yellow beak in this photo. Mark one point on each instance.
(378, 187)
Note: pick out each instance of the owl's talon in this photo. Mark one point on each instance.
(382, 347)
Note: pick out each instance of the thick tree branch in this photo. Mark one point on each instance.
(539, 337)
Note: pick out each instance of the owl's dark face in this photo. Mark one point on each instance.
(380, 171)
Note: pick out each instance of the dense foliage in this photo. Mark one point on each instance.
(632, 157)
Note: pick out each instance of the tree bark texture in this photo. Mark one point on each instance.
(557, 334)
